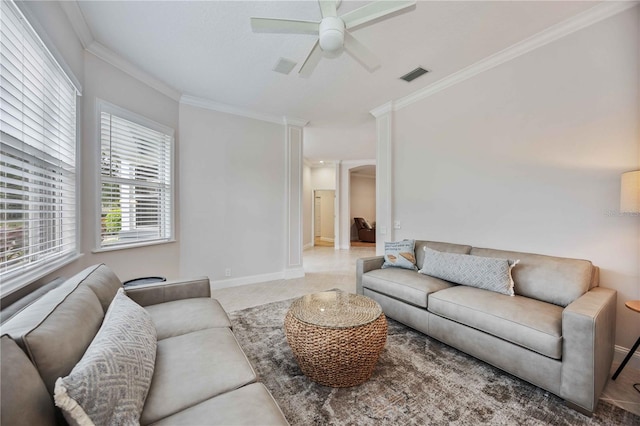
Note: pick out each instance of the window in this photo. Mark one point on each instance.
(136, 161)
(37, 156)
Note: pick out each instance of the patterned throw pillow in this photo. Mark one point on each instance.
(475, 271)
(111, 381)
(400, 254)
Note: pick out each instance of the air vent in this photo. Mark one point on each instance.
(284, 66)
(412, 75)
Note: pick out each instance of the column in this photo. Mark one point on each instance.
(293, 198)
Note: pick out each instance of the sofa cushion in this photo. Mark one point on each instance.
(192, 368)
(250, 405)
(403, 284)
(57, 329)
(526, 322)
(556, 280)
(476, 271)
(400, 254)
(187, 315)
(111, 381)
(436, 245)
(25, 400)
(104, 283)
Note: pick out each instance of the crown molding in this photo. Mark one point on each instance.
(78, 23)
(119, 62)
(589, 17)
(383, 109)
(230, 109)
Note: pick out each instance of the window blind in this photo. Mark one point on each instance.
(136, 182)
(37, 154)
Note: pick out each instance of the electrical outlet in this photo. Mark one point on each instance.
(396, 224)
(227, 272)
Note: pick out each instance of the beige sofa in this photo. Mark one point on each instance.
(557, 332)
(201, 375)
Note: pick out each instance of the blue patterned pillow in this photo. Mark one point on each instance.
(111, 381)
(475, 271)
(400, 254)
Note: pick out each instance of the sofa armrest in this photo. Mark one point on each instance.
(588, 336)
(154, 293)
(364, 265)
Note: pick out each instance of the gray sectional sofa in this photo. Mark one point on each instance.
(557, 332)
(201, 375)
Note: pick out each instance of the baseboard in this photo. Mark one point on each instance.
(327, 239)
(307, 246)
(252, 279)
(287, 274)
(619, 354)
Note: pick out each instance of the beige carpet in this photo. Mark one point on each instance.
(418, 381)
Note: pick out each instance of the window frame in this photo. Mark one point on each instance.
(16, 280)
(104, 106)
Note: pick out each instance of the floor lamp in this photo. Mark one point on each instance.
(630, 203)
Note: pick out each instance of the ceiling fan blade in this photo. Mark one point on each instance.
(360, 52)
(328, 8)
(372, 11)
(270, 25)
(312, 60)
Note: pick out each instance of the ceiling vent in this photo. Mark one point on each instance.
(284, 66)
(412, 75)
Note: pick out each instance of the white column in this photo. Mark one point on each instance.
(337, 216)
(384, 174)
(293, 198)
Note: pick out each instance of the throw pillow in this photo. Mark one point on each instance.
(111, 381)
(476, 271)
(400, 254)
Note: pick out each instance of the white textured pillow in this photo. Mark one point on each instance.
(111, 381)
(475, 271)
(400, 254)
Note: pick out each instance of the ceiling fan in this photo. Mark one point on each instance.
(332, 30)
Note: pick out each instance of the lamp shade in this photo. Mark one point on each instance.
(630, 192)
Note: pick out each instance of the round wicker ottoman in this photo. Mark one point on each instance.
(336, 337)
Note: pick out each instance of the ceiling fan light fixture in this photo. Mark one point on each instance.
(331, 34)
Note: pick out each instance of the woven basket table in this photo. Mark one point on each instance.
(336, 337)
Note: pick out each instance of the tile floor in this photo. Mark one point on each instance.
(326, 268)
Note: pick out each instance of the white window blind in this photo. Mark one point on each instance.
(37, 155)
(135, 180)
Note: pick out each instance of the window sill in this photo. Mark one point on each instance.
(131, 246)
(13, 284)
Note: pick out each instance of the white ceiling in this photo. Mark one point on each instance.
(207, 49)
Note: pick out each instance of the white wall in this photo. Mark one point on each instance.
(100, 79)
(340, 143)
(528, 155)
(232, 196)
(323, 177)
(362, 200)
(108, 83)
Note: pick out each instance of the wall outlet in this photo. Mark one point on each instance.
(396, 224)
(227, 272)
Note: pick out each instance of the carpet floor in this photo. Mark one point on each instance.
(417, 381)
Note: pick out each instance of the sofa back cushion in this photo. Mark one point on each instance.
(55, 330)
(435, 245)
(25, 400)
(557, 280)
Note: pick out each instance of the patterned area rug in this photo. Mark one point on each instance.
(417, 381)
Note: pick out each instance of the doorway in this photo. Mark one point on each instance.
(362, 205)
(324, 217)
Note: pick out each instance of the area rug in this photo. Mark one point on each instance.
(417, 381)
